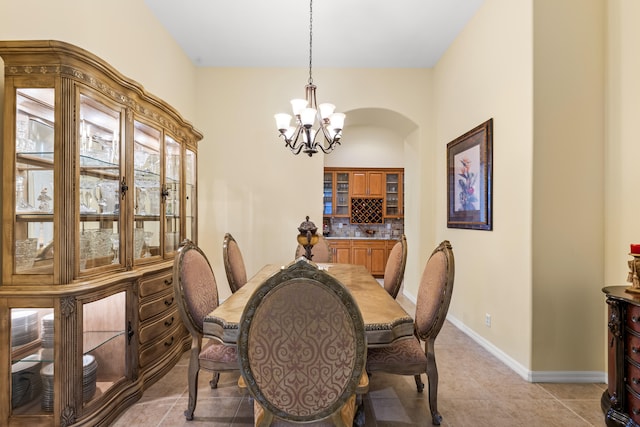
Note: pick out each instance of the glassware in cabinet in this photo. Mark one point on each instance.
(99, 196)
(147, 189)
(34, 178)
(171, 194)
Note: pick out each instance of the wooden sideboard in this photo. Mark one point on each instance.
(98, 191)
(621, 400)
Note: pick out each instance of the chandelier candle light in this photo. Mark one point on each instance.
(304, 138)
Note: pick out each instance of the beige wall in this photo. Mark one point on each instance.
(623, 146)
(125, 34)
(487, 73)
(568, 185)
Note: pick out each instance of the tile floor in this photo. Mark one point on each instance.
(475, 390)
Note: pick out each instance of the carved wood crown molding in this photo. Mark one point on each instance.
(107, 90)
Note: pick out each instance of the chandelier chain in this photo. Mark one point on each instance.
(310, 38)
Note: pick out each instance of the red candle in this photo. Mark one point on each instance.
(635, 248)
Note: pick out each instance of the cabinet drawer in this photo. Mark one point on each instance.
(163, 346)
(156, 283)
(157, 306)
(633, 377)
(153, 330)
(632, 346)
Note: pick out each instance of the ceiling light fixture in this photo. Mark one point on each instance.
(304, 138)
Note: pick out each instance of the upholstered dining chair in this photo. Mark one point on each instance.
(394, 269)
(196, 293)
(320, 252)
(407, 357)
(233, 263)
(302, 348)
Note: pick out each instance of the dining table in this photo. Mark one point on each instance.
(385, 321)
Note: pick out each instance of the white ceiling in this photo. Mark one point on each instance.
(346, 33)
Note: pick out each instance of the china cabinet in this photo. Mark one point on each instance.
(99, 189)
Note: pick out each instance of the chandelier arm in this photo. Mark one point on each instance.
(291, 143)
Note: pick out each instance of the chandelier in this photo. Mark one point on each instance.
(304, 137)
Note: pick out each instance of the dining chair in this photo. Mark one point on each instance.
(233, 263)
(320, 252)
(302, 349)
(407, 357)
(196, 293)
(394, 269)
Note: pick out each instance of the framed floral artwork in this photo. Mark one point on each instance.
(469, 176)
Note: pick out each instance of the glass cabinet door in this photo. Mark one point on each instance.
(147, 189)
(32, 339)
(99, 190)
(34, 178)
(327, 203)
(342, 194)
(392, 195)
(104, 345)
(191, 205)
(172, 195)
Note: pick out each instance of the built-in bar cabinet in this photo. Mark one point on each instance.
(98, 190)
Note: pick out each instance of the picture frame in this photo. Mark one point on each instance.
(469, 179)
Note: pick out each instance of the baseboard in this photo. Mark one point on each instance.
(526, 374)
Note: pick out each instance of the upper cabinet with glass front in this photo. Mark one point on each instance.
(98, 175)
(98, 192)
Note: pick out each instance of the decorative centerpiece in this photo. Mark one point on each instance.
(307, 237)
(634, 269)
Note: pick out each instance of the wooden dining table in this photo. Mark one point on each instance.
(385, 321)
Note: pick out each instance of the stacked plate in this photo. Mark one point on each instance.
(47, 387)
(47, 331)
(89, 376)
(26, 384)
(24, 327)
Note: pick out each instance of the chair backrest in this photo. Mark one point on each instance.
(320, 252)
(394, 269)
(233, 263)
(434, 292)
(194, 285)
(302, 347)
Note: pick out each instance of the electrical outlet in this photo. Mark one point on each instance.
(487, 320)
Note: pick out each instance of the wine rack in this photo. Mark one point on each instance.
(366, 210)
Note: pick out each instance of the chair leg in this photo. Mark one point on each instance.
(359, 417)
(214, 380)
(432, 377)
(419, 383)
(194, 368)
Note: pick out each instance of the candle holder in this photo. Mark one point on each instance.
(634, 271)
(308, 237)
